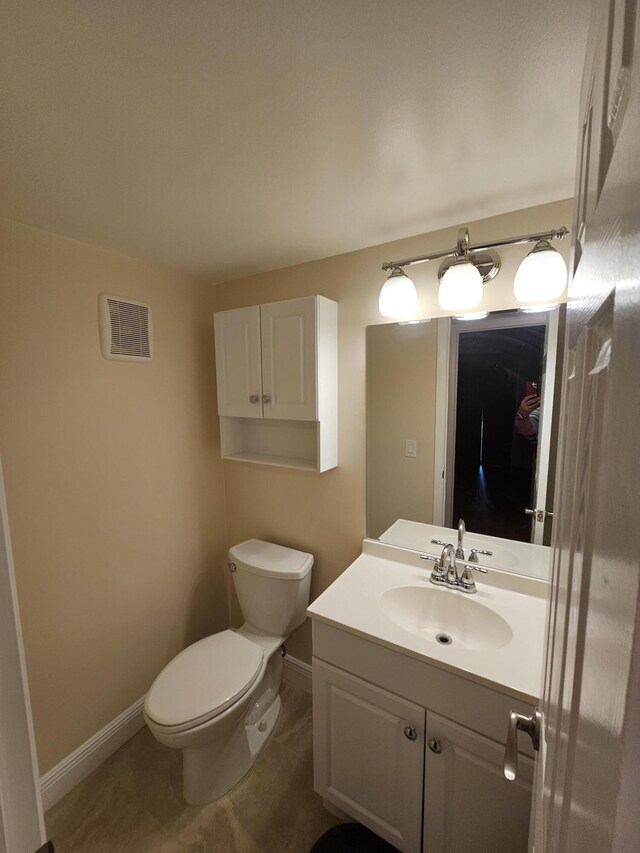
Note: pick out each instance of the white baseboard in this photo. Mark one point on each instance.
(71, 770)
(297, 672)
(75, 767)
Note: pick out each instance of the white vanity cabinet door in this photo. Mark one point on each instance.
(469, 805)
(364, 762)
(289, 359)
(239, 362)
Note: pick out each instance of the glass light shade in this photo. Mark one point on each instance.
(541, 277)
(398, 297)
(460, 288)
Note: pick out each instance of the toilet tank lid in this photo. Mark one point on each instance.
(268, 559)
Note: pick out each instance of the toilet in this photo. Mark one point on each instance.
(218, 700)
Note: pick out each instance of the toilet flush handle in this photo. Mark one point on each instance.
(232, 567)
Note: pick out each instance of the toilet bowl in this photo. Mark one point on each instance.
(218, 700)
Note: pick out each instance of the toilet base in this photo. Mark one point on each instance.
(210, 772)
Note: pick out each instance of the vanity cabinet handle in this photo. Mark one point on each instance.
(435, 745)
(254, 398)
(266, 398)
(520, 722)
(410, 733)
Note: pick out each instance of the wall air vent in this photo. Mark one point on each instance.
(126, 329)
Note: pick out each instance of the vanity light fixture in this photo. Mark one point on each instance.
(460, 286)
(461, 280)
(541, 277)
(398, 297)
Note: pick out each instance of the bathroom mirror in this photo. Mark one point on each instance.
(444, 440)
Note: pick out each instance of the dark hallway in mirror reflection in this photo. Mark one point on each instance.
(494, 465)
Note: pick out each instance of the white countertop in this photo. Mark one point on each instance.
(352, 603)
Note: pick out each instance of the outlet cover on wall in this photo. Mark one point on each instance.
(410, 447)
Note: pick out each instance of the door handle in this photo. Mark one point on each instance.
(540, 514)
(520, 722)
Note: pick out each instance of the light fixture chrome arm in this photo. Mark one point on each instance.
(464, 248)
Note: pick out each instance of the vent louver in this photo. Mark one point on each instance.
(126, 331)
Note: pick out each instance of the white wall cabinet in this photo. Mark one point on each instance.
(276, 367)
(442, 792)
(239, 362)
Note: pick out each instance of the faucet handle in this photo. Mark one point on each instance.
(437, 560)
(438, 542)
(473, 556)
(477, 569)
(467, 583)
(438, 575)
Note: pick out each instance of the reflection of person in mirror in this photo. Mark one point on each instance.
(528, 417)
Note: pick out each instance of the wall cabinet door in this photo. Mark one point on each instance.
(239, 362)
(369, 754)
(289, 349)
(469, 805)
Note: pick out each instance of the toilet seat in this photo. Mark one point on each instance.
(203, 681)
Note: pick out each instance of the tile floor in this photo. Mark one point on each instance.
(133, 802)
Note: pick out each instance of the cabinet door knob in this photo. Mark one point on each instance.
(410, 733)
(435, 745)
(266, 398)
(254, 398)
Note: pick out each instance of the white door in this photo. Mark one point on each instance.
(469, 805)
(21, 822)
(585, 797)
(545, 428)
(238, 362)
(289, 361)
(448, 402)
(368, 754)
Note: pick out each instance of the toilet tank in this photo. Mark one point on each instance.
(272, 584)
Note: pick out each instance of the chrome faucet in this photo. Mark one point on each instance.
(445, 565)
(461, 531)
(445, 572)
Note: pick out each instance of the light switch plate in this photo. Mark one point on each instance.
(410, 447)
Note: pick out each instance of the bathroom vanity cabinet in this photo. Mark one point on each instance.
(276, 367)
(415, 752)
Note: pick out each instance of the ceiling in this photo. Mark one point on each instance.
(228, 137)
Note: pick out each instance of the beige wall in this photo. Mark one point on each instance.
(326, 513)
(113, 478)
(401, 404)
(114, 481)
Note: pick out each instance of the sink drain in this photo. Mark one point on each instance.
(444, 639)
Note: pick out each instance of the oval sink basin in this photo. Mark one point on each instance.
(445, 617)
